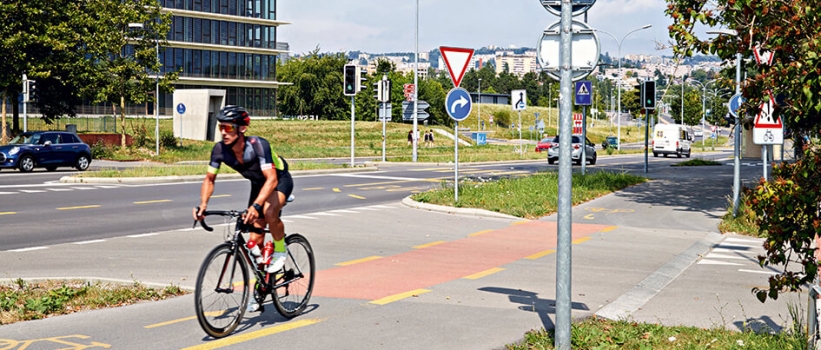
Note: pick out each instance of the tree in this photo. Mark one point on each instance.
(786, 208)
(316, 86)
(124, 54)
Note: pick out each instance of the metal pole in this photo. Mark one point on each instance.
(479, 104)
(157, 103)
(647, 140)
(764, 159)
(703, 113)
(352, 129)
(456, 162)
(416, 85)
(384, 120)
(564, 228)
(618, 113)
(682, 100)
(736, 145)
(584, 138)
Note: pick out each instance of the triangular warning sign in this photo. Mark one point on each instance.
(456, 59)
(582, 90)
(766, 118)
(763, 56)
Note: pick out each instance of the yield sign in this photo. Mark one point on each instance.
(456, 59)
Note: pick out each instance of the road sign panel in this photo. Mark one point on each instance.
(456, 59)
(180, 108)
(585, 50)
(579, 6)
(518, 99)
(763, 56)
(767, 128)
(458, 104)
(578, 119)
(735, 103)
(584, 95)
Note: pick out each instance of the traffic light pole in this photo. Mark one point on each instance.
(647, 139)
(352, 129)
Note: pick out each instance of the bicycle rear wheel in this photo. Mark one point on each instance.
(298, 276)
(221, 293)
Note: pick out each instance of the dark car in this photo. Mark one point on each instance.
(544, 144)
(45, 149)
(575, 152)
(610, 142)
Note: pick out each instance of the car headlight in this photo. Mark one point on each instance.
(14, 151)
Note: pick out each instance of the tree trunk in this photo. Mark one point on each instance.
(4, 136)
(122, 121)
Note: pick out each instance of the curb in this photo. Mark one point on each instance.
(198, 178)
(408, 202)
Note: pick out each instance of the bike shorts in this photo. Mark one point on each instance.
(285, 184)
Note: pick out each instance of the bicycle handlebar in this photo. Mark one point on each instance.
(231, 213)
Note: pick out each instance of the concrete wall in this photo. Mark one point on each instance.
(199, 121)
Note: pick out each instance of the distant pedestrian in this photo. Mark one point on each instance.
(483, 125)
(410, 137)
(427, 139)
(432, 144)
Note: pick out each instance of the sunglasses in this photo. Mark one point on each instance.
(229, 128)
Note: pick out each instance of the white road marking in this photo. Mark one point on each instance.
(344, 211)
(324, 214)
(83, 188)
(59, 189)
(27, 249)
(720, 256)
(32, 191)
(742, 240)
(300, 217)
(380, 177)
(90, 242)
(716, 262)
(9, 192)
(143, 235)
(763, 272)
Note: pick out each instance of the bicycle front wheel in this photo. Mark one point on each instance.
(222, 291)
(297, 278)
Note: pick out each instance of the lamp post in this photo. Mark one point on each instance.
(737, 130)
(703, 106)
(619, 85)
(479, 105)
(156, 88)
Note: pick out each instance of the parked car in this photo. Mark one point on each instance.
(576, 152)
(544, 144)
(610, 142)
(45, 149)
(671, 139)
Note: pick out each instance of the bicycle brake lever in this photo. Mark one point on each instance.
(205, 226)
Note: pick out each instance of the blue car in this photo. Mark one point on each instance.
(45, 149)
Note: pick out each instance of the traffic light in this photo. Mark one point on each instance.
(379, 91)
(362, 79)
(350, 80)
(386, 91)
(648, 97)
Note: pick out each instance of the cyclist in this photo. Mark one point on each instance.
(271, 183)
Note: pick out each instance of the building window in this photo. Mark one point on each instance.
(197, 30)
(206, 31)
(197, 72)
(232, 33)
(189, 29)
(206, 64)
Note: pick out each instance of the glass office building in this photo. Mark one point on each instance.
(224, 44)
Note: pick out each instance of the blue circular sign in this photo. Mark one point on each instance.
(180, 108)
(735, 103)
(458, 104)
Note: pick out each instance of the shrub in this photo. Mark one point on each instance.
(502, 118)
(99, 150)
(167, 140)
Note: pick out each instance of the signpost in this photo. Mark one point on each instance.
(421, 106)
(584, 98)
(457, 102)
(585, 50)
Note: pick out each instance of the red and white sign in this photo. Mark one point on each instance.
(578, 119)
(456, 59)
(713, 128)
(768, 129)
(763, 56)
(409, 89)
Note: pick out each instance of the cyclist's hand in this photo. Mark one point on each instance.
(250, 216)
(197, 212)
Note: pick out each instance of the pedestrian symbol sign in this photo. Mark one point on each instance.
(583, 93)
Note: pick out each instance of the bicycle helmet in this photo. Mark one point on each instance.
(234, 115)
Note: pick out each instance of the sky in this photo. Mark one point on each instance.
(383, 26)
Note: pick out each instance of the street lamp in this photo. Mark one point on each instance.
(156, 89)
(619, 87)
(736, 146)
(703, 107)
(479, 105)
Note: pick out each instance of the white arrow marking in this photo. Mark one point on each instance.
(462, 101)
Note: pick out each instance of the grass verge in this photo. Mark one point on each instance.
(697, 162)
(595, 333)
(527, 197)
(192, 169)
(25, 301)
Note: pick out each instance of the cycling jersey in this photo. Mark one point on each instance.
(257, 156)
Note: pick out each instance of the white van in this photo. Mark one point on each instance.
(671, 139)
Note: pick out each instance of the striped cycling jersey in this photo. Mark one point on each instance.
(257, 156)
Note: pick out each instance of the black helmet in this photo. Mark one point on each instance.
(234, 115)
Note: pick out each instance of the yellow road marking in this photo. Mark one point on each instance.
(8, 213)
(239, 338)
(213, 313)
(400, 296)
(581, 240)
(357, 261)
(520, 222)
(608, 229)
(336, 189)
(487, 272)
(154, 201)
(221, 195)
(62, 340)
(426, 245)
(589, 216)
(540, 254)
(312, 188)
(479, 233)
(355, 196)
(79, 207)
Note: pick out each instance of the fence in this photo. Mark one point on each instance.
(83, 124)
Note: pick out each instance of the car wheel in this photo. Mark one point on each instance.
(593, 160)
(82, 163)
(51, 168)
(678, 154)
(551, 161)
(578, 162)
(655, 155)
(26, 164)
(665, 155)
(688, 153)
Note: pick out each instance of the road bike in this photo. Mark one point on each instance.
(222, 288)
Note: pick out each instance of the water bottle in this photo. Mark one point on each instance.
(267, 251)
(253, 248)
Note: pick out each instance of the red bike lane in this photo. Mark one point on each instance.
(440, 263)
